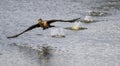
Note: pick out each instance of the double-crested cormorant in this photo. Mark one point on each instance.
(45, 24)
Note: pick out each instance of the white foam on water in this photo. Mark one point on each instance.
(57, 32)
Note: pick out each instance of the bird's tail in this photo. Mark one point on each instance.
(30, 28)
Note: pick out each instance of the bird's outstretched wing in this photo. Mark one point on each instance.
(30, 28)
(51, 21)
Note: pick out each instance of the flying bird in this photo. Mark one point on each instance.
(45, 24)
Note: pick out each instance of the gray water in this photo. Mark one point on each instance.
(99, 45)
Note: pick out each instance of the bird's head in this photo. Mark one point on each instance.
(40, 20)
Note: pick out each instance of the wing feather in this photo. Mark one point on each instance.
(51, 21)
(30, 28)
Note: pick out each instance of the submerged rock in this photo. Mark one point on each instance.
(45, 52)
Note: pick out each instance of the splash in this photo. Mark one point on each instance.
(57, 32)
(76, 26)
(88, 19)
